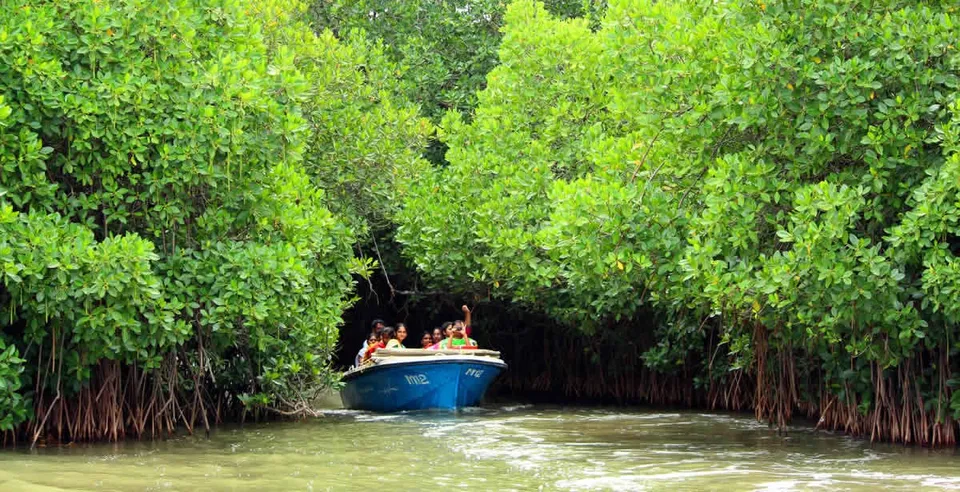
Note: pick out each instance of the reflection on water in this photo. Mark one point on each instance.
(505, 448)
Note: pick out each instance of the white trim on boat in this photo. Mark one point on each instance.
(390, 357)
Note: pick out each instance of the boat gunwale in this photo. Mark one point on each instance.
(355, 373)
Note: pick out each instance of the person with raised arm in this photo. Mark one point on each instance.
(459, 338)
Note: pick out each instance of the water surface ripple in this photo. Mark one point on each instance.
(496, 448)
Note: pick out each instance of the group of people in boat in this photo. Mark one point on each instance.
(450, 335)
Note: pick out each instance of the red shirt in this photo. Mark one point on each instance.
(373, 348)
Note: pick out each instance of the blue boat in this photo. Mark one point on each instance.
(416, 379)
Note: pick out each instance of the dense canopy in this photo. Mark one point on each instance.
(777, 174)
(758, 202)
(165, 228)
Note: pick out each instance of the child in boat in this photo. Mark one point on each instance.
(375, 327)
(388, 339)
(437, 335)
(372, 347)
(372, 339)
(427, 340)
(450, 329)
(458, 339)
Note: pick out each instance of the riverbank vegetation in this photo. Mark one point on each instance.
(772, 182)
(178, 209)
(720, 204)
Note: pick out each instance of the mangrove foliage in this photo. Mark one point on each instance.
(179, 204)
(773, 183)
(727, 204)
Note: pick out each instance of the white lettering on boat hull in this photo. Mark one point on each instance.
(417, 379)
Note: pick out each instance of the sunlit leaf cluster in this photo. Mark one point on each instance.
(782, 172)
(168, 171)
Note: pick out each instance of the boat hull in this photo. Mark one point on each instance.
(419, 384)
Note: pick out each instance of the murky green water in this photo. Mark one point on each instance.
(519, 448)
